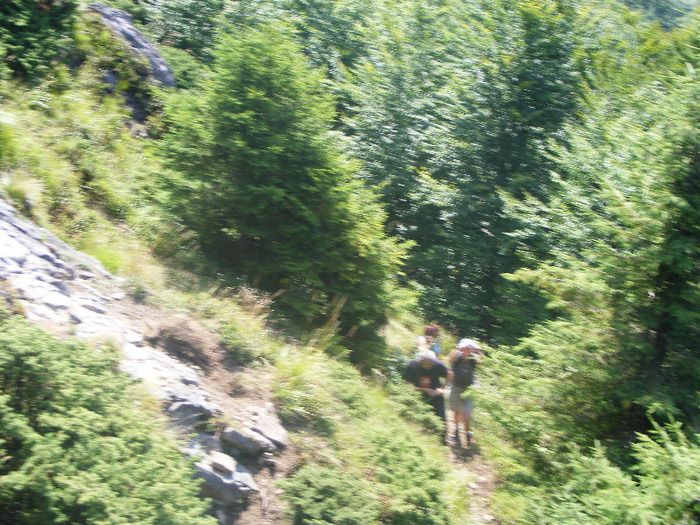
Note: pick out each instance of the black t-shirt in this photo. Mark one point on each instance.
(422, 378)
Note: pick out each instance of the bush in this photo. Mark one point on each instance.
(664, 490)
(328, 496)
(74, 447)
(411, 480)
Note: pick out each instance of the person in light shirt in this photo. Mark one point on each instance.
(432, 335)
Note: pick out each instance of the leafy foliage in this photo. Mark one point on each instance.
(446, 108)
(668, 13)
(537, 159)
(324, 496)
(185, 24)
(33, 32)
(366, 458)
(662, 489)
(619, 284)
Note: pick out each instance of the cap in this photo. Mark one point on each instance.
(468, 343)
(426, 354)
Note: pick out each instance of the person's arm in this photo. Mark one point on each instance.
(447, 375)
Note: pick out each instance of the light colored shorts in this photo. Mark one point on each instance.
(459, 404)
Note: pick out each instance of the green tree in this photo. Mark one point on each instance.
(185, 24)
(668, 13)
(621, 281)
(33, 32)
(268, 190)
(330, 32)
(452, 104)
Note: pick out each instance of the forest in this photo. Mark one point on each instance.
(524, 173)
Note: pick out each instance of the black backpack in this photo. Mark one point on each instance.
(463, 370)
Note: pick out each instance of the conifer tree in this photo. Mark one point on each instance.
(268, 190)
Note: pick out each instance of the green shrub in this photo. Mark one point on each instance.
(328, 496)
(74, 446)
(409, 478)
(301, 392)
(242, 341)
(664, 489)
(411, 406)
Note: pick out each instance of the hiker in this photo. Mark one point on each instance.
(464, 358)
(426, 373)
(432, 334)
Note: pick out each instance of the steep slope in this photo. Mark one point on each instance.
(179, 362)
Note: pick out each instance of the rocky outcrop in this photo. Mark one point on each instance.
(70, 293)
(224, 479)
(121, 23)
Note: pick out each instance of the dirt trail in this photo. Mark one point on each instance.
(481, 478)
(238, 391)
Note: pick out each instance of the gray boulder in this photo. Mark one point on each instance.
(122, 25)
(269, 426)
(224, 479)
(247, 440)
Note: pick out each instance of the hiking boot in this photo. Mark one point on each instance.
(470, 438)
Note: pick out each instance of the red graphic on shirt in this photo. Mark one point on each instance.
(424, 382)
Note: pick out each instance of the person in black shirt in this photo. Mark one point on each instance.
(427, 373)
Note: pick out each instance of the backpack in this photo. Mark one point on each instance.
(464, 372)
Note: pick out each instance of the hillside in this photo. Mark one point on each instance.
(180, 363)
(260, 204)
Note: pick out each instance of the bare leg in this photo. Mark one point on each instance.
(459, 418)
(467, 432)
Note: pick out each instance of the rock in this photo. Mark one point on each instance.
(134, 338)
(122, 25)
(247, 440)
(223, 463)
(188, 413)
(269, 426)
(267, 460)
(90, 303)
(226, 487)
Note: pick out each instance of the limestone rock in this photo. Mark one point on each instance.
(247, 440)
(224, 479)
(122, 24)
(269, 426)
